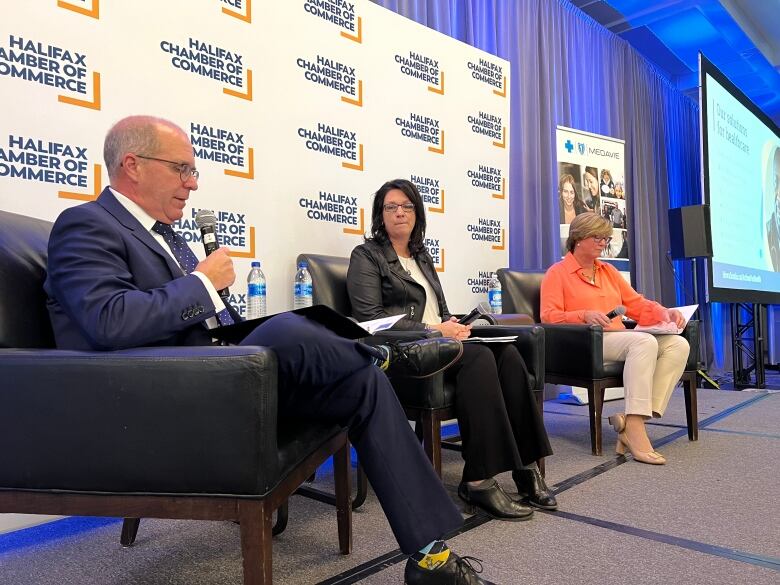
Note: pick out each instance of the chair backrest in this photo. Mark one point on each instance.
(24, 320)
(329, 281)
(520, 292)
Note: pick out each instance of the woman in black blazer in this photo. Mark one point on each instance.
(500, 425)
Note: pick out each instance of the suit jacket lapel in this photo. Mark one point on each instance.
(108, 201)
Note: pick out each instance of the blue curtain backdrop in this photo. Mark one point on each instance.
(569, 70)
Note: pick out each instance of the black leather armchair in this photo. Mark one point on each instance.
(574, 353)
(429, 401)
(173, 432)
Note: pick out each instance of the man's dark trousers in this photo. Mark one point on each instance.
(324, 376)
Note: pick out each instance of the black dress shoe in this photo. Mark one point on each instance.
(533, 490)
(422, 358)
(456, 571)
(494, 502)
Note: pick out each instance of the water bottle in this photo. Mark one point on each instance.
(494, 294)
(302, 290)
(255, 298)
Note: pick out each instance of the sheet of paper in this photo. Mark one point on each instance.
(687, 312)
(380, 324)
(503, 339)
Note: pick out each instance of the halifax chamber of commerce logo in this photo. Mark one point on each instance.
(335, 208)
(51, 161)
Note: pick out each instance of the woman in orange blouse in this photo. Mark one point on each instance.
(581, 289)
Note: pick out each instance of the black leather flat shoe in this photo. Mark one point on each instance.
(494, 502)
(423, 358)
(456, 571)
(532, 489)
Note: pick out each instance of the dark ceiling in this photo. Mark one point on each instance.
(741, 37)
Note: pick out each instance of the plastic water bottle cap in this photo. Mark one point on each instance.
(256, 264)
(302, 265)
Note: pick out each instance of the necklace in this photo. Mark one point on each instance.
(406, 264)
(592, 276)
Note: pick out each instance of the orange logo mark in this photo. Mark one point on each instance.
(501, 93)
(357, 38)
(245, 17)
(357, 231)
(440, 268)
(355, 102)
(501, 195)
(440, 89)
(503, 241)
(93, 12)
(251, 252)
(244, 96)
(501, 144)
(94, 104)
(438, 209)
(96, 183)
(440, 149)
(250, 172)
(353, 166)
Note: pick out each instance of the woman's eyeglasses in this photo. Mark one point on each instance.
(393, 207)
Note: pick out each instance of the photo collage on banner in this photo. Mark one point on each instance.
(298, 112)
(591, 177)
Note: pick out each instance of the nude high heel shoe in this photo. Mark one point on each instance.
(651, 457)
(618, 422)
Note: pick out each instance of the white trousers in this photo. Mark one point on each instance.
(653, 365)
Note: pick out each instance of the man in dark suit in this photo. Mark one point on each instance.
(119, 277)
(773, 225)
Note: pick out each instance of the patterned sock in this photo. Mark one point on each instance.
(383, 362)
(432, 556)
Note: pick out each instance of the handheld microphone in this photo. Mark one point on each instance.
(207, 222)
(482, 308)
(619, 310)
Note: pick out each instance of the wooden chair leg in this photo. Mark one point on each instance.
(342, 471)
(129, 531)
(595, 407)
(432, 439)
(255, 519)
(691, 406)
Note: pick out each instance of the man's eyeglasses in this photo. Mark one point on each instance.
(606, 240)
(393, 207)
(185, 171)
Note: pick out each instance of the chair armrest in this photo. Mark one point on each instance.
(509, 319)
(574, 350)
(531, 342)
(691, 333)
(162, 420)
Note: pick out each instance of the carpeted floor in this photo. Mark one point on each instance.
(711, 515)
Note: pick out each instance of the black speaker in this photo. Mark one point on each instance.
(689, 232)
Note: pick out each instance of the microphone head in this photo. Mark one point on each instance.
(620, 310)
(205, 218)
(484, 308)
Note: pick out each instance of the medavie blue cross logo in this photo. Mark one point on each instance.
(569, 146)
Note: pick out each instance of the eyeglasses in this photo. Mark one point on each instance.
(185, 171)
(606, 240)
(393, 207)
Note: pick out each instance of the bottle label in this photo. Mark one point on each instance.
(494, 298)
(303, 289)
(256, 290)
